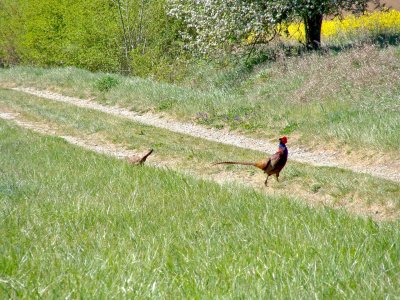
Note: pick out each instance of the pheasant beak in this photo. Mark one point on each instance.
(283, 140)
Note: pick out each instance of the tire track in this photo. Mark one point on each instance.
(376, 211)
(316, 158)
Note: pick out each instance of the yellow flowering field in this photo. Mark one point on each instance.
(375, 22)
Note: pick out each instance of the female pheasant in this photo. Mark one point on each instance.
(139, 160)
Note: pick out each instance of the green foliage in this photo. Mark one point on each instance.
(11, 26)
(50, 32)
(160, 55)
(144, 38)
(106, 83)
(89, 34)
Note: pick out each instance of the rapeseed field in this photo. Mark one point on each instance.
(379, 22)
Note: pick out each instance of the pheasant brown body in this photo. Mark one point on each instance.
(273, 165)
(138, 160)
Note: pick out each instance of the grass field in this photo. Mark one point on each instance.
(360, 193)
(347, 101)
(78, 224)
(75, 224)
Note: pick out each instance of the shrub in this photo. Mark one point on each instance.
(106, 83)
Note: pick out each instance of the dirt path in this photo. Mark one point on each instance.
(316, 158)
(92, 144)
(376, 211)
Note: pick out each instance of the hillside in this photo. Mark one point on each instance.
(346, 101)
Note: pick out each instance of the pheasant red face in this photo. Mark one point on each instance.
(283, 140)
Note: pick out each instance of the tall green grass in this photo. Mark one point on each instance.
(348, 100)
(81, 225)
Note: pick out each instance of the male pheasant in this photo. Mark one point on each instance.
(273, 165)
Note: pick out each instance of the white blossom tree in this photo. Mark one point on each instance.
(212, 24)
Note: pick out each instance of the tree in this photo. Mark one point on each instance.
(128, 36)
(147, 37)
(312, 12)
(131, 18)
(215, 23)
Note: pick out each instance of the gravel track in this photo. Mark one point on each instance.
(114, 150)
(316, 158)
(377, 212)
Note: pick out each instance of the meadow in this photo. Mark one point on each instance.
(361, 193)
(150, 233)
(78, 224)
(345, 101)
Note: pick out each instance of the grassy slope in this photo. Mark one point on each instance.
(358, 192)
(347, 101)
(77, 224)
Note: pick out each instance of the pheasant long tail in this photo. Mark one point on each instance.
(261, 164)
(143, 159)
